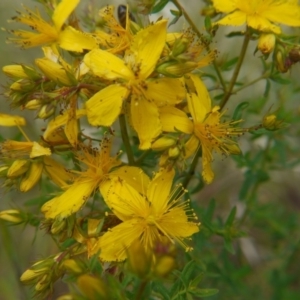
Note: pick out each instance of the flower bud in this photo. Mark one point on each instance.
(32, 176)
(266, 42)
(233, 149)
(33, 104)
(164, 266)
(72, 266)
(53, 71)
(46, 111)
(138, 260)
(18, 167)
(176, 69)
(16, 71)
(58, 226)
(271, 123)
(173, 152)
(93, 288)
(11, 215)
(179, 46)
(163, 143)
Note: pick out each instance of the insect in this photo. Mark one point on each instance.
(122, 15)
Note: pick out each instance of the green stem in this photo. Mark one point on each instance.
(235, 75)
(187, 17)
(219, 74)
(125, 139)
(193, 166)
(141, 290)
(264, 76)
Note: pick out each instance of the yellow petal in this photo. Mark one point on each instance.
(123, 199)
(236, 18)
(32, 176)
(207, 173)
(114, 243)
(284, 12)
(53, 70)
(70, 201)
(73, 40)
(147, 46)
(262, 24)
(57, 172)
(159, 190)
(38, 150)
(175, 223)
(63, 11)
(134, 176)
(59, 121)
(107, 65)
(202, 92)
(174, 119)
(105, 106)
(11, 120)
(191, 146)
(165, 91)
(145, 121)
(225, 6)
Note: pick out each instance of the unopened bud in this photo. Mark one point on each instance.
(271, 123)
(266, 42)
(164, 266)
(176, 69)
(173, 152)
(93, 288)
(53, 71)
(280, 62)
(294, 55)
(32, 176)
(18, 167)
(46, 111)
(16, 71)
(163, 143)
(58, 226)
(11, 215)
(138, 260)
(233, 149)
(72, 266)
(33, 104)
(179, 46)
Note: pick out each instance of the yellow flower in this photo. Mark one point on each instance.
(131, 76)
(117, 39)
(99, 169)
(206, 129)
(67, 38)
(259, 14)
(10, 120)
(147, 217)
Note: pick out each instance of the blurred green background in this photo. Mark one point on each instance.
(263, 185)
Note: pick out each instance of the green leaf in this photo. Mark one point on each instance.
(228, 65)
(231, 217)
(204, 292)
(159, 6)
(237, 115)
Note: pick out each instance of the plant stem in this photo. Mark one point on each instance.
(187, 17)
(193, 166)
(235, 75)
(125, 139)
(264, 76)
(141, 290)
(219, 74)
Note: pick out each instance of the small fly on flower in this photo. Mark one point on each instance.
(122, 15)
